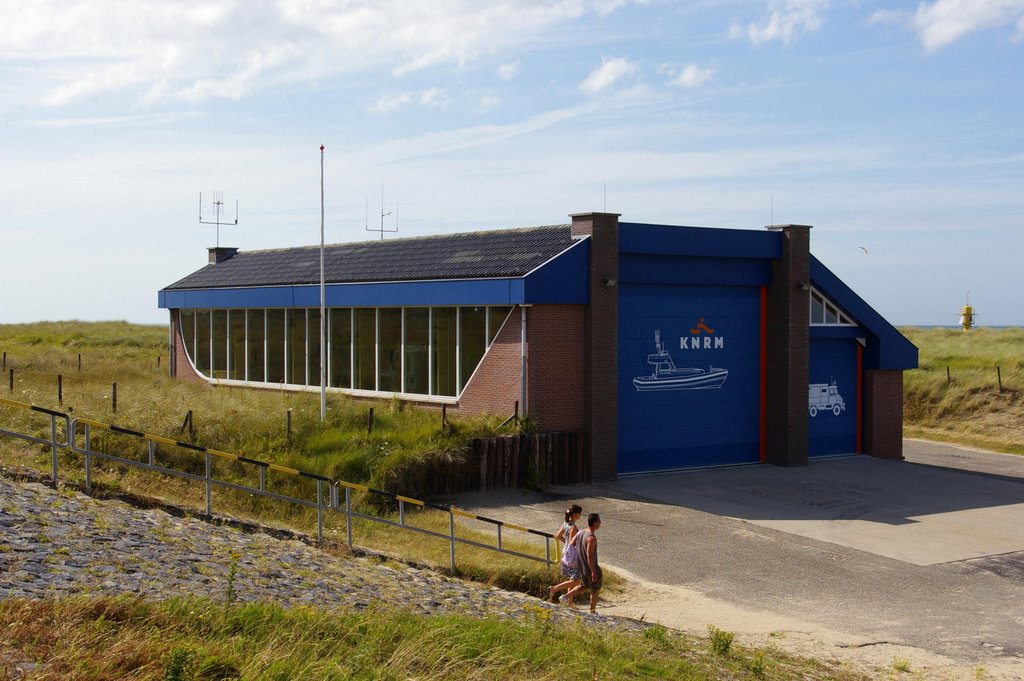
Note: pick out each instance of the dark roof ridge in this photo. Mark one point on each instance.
(406, 239)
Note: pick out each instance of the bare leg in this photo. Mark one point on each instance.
(568, 584)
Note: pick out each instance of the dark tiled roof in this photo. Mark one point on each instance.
(469, 255)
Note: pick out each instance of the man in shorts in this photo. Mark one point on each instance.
(590, 569)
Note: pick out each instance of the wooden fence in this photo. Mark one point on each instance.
(535, 461)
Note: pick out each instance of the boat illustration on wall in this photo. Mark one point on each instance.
(667, 376)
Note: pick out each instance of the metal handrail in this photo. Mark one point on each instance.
(84, 446)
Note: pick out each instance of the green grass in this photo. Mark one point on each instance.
(405, 441)
(968, 407)
(94, 639)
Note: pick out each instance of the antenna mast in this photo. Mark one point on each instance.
(218, 205)
(383, 215)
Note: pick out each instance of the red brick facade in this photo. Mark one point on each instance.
(496, 384)
(883, 414)
(180, 367)
(600, 346)
(554, 336)
(788, 351)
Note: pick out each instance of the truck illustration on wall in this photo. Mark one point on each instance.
(824, 397)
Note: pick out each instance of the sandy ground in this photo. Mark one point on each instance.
(689, 611)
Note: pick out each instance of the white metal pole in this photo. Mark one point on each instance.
(323, 316)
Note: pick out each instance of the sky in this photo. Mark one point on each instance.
(895, 129)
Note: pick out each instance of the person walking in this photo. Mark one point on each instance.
(591, 575)
(569, 564)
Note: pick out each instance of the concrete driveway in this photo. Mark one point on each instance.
(926, 553)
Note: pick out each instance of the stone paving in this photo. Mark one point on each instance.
(61, 542)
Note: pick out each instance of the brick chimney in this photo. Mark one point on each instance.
(221, 253)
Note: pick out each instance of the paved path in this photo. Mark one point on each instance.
(926, 553)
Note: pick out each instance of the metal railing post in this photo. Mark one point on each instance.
(547, 550)
(499, 535)
(209, 486)
(319, 512)
(401, 512)
(152, 452)
(451, 535)
(53, 447)
(88, 458)
(263, 478)
(348, 514)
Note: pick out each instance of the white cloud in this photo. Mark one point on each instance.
(786, 19)
(693, 76)
(887, 16)
(607, 74)
(110, 121)
(485, 103)
(943, 22)
(195, 50)
(508, 70)
(435, 97)
(389, 103)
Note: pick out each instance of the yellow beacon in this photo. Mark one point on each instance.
(967, 315)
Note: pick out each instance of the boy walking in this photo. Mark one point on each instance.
(590, 569)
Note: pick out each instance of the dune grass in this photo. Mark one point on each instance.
(252, 423)
(100, 639)
(967, 407)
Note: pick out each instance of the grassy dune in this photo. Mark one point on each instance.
(99, 639)
(248, 422)
(968, 407)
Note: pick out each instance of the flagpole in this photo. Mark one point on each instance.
(323, 311)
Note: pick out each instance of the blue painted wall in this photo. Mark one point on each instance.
(833, 360)
(670, 429)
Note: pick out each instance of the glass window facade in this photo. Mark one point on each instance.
(313, 345)
(429, 351)
(443, 345)
(296, 345)
(219, 343)
(366, 348)
(340, 346)
(236, 345)
(389, 349)
(202, 356)
(256, 347)
(416, 348)
(472, 341)
(275, 346)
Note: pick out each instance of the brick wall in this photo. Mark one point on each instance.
(788, 347)
(600, 342)
(555, 397)
(497, 382)
(180, 366)
(883, 414)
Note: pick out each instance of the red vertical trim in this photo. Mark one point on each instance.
(860, 397)
(763, 453)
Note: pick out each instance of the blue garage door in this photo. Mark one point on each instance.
(832, 397)
(689, 376)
